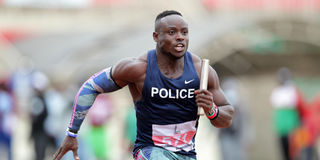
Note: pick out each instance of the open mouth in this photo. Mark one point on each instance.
(179, 47)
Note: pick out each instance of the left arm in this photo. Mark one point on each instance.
(214, 97)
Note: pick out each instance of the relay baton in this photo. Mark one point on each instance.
(203, 79)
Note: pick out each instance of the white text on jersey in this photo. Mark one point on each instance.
(173, 94)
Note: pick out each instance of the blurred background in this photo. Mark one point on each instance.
(266, 53)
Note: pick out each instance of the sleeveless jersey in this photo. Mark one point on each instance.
(167, 112)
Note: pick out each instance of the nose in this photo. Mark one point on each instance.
(180, 37)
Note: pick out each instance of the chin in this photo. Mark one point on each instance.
(175, 54)
(178, 54)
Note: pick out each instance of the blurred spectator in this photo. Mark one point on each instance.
(7, 120)
(98, 134)
(286, 100)
(238, 137)
(22, 83)
(57, 105)
(39, 113)
(130, 131)
(304, 139)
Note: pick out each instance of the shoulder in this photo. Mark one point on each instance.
(195, 58)
(213, 76)
(130, 69)
(196, 62)
(132, 63)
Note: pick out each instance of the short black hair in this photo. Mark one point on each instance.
(167, 13)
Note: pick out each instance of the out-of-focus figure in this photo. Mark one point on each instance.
(57, 102)
(304, 139)
(98, 133)
(39, 114)
(130, 131)
(286, 100)
(239, 135)
(7, 120)
(22, 85)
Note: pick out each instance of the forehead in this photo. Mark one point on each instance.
(172, 21)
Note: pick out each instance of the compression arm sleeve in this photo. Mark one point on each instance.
(101, 82)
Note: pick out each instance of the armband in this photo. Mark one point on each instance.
(213, 113)
(71, 134)
(103, 81)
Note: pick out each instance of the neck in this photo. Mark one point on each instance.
(169, 65)
(167, 58)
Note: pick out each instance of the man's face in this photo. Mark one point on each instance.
(171, 35)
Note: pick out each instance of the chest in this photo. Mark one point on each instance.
(171, 72)
(159, 87)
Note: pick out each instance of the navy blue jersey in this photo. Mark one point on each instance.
(167, 113)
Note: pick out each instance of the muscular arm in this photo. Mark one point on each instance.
(110, 79)
(126, 72)
(101, 82)
(214, 95)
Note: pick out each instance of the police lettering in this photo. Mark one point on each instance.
(172, 94)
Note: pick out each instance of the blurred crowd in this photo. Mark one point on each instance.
(295, 119)
(27, 95)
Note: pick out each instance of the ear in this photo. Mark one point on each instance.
(155, 36)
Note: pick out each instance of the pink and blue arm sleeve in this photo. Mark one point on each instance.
(101, 82)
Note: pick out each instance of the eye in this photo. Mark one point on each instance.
(185, 32)
(171, 32)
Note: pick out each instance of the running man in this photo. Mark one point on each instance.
(164, 85)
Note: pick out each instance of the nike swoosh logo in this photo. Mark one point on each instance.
(187, 82)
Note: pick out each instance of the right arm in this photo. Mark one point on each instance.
(108, 80)
(101, 82)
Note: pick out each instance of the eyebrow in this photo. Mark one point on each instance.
(173, 27)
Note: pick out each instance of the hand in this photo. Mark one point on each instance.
(204, 99)
(69, 143)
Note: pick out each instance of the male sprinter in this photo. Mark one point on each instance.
(164, 84)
